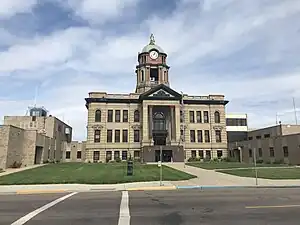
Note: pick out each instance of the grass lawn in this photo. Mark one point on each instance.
(89, 173)
(268, 173)
(228, 165)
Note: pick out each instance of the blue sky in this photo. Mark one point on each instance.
(247, 50)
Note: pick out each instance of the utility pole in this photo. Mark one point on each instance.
(255, 168)
(296, 119)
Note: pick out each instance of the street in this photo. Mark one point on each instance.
(178, 207)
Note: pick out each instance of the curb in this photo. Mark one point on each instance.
(28, 192)
(236, 187)
(155, 188)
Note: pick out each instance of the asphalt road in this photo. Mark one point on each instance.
(178, 207)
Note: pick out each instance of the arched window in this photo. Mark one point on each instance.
(136, 117)
(98, 116)
(159, 122)
(217, 117)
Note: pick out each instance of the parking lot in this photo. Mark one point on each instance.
(230, 206)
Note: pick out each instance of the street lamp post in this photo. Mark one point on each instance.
(160, 172)
(255, 168)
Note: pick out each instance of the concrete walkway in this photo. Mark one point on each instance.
(15, 170)
(214, 178)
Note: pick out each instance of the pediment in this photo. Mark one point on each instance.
(161, 92)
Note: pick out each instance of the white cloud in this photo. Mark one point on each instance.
(9, 8)
(99, 11)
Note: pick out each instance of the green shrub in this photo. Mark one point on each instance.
(259, 161)
(118, 160)
(278, 161)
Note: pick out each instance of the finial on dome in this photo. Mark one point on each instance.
(152, 40)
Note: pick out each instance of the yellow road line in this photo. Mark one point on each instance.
(28, 192)
(151, 188)
(271, 206)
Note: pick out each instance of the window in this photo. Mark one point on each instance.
(198, 117)
(285, 151)
(117, 136)
(98, 116)
(199, 136)
(125, 116)
(218, 136)
(124, 155)
(159, 122)
(193, 153)
(250, 153)
(108, 155)
(110, 115)
(192, 117)
(250, 138)
(143, 76)
(181, 116)
(97, 134)
(136, 154)
(136, 134)
(118, 116)
(192, 136)
(116, 155)
(59, 128)
(33, 118)
(136, 116)
(96, 156)
(259, 152)
(217, 117)
(181, 133)
(109, 136)
(79, 155)
(206, 136)
(208, 154)
(236, 122)
(125, 136)
(219, 154)
(201, 155)
(68, 155)
(258, 137)
(206, 119)
(272, 153)
(266, 135)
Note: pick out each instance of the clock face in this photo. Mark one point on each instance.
(153, 54)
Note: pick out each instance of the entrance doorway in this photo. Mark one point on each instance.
(166, 155)
(38, 155)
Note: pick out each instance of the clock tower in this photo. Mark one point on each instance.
(152, 68)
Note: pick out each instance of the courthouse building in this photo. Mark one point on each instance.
(137, 124)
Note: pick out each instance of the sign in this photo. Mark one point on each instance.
(159, 163)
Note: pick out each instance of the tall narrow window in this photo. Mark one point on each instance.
(206, 136)
(199, 136)
(117, 136)
(136, 135)
(97, 136)
(98, 116)
(125, 136)
(206, 119)
(192, 135)
(272, 152)
(218, 136)
(192, 117)
(217, 117)
(110, 114)
(181, 116)
(118, 116)
(142, 75)
(198, 117)
(125, 116)
(136, 116)
(109, 136)
(285, 151)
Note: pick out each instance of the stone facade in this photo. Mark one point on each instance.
(74, 152)
(155, 116)
(50, 126)
(280, 143)
(19, 146)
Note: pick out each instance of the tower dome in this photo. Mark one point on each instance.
(152, 45)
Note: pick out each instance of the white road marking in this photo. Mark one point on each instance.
(124, 217)
(29, 216)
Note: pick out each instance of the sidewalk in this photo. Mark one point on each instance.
(15, 170)
(214, 178)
